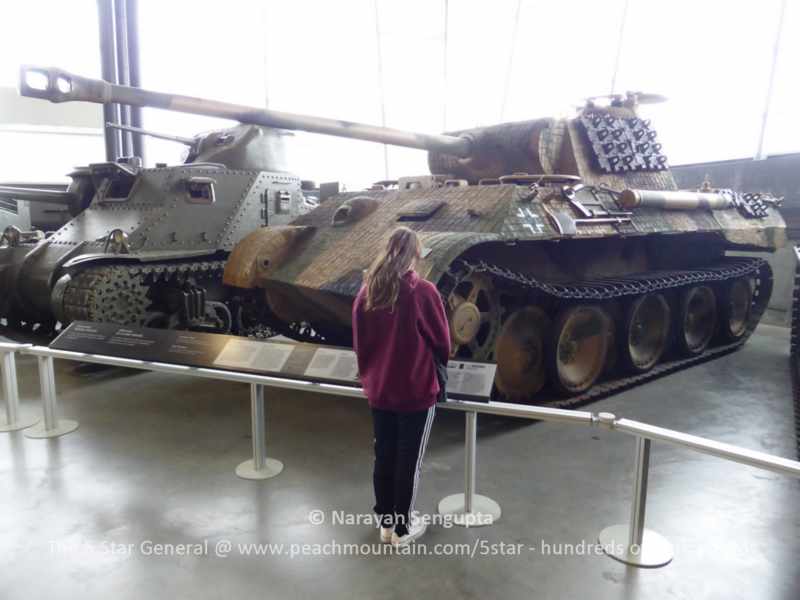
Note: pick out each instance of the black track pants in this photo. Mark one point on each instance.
(400, 440)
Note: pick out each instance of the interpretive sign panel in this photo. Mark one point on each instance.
(278, 357)
(470, 378)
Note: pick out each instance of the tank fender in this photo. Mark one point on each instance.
(440, 249)
(139, 257)
(261, 253)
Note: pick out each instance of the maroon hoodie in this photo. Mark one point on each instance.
(396, 348)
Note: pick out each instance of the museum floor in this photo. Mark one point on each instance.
(154, 458)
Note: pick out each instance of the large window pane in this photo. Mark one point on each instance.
(49, 33)
(710, 57)
(46, 157)
(783, 129)
(712, 60)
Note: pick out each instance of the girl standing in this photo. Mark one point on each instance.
(400, 332)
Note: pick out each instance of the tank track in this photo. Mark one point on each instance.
(794, 348)
(628, 286)
(595, 291)
(121, 293)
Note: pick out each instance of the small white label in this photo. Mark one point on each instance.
(472, 379)
(328, 363)
(263, 356)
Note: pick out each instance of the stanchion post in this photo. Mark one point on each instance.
(632, 544)
(258, 426)
(13, 419)
(639, 504)
(260, 466)
(470, 443)
(51, 426)
(470, 509)
(10, 389)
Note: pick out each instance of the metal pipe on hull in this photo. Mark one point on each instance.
(677, 200)
(37, 195)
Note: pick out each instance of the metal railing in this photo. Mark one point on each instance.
(630, 543)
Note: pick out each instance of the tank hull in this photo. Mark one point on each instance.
(499, 256)
(149, 247)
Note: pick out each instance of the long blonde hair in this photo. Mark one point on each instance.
(383, 277)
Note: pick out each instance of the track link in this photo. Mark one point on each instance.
(124, 293)
(629, 286)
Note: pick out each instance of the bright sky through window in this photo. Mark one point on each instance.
(710, 57)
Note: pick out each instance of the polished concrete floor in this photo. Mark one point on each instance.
(154, 458)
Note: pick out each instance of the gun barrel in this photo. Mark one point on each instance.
(37, 195)
(161, 136)
(57, 85)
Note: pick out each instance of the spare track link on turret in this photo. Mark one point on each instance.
(628, 286)
(121, 293)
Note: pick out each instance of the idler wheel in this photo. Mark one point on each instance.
(645, 332)
(578, 348)
(474, 314)
(735, 305)
(697, 319)
(520, 354)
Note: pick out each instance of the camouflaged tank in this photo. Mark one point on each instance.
(145, 246)
(561, 247)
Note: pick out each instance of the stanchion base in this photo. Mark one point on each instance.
(22, 422)
(63, 427)
(655, 551)
(271, 468)
(485, 511)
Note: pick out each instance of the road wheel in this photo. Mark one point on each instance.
(697, 319)
(520, 354)
(645, 332)
(736, 301)
(578, 348)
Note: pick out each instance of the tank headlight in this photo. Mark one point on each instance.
(11, 236)
(117, 242)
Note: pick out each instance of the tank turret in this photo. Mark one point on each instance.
(620, 142)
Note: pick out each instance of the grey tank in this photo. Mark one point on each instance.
(148, 245)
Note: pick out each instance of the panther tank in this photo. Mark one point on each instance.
(145, 246)
(562, 249)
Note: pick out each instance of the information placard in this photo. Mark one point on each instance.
(470, 378)
(279, 357)
(252, 355)
(333, 363)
